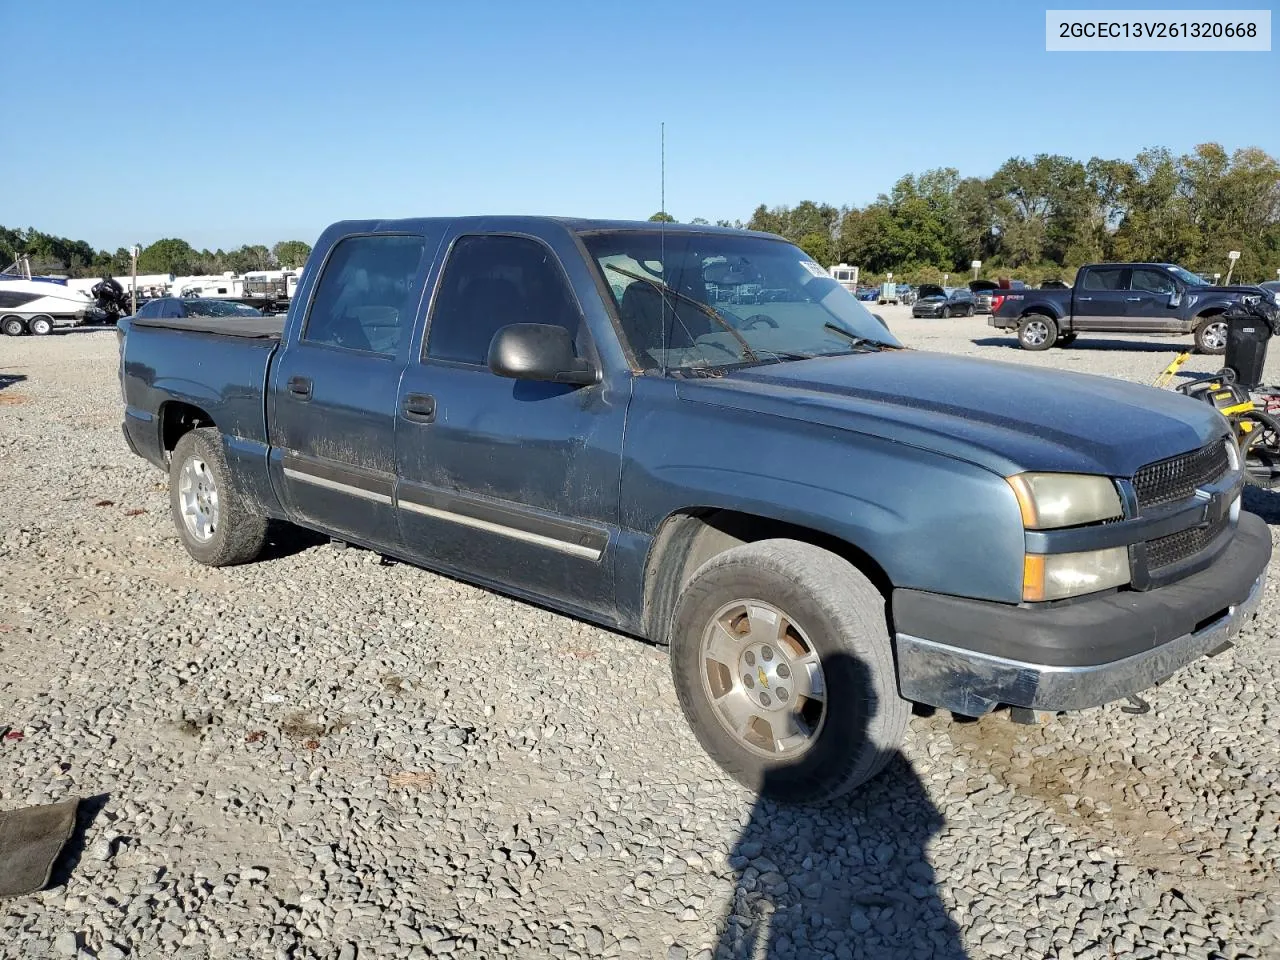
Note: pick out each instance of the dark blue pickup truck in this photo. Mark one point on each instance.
(1158, 298)
(615, 420)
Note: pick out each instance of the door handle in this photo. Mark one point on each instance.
(300, 387)
(1079, 299)
(1133, 299)
(419, 407)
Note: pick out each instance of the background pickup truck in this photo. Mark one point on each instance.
(1119, 298)
(606, 418)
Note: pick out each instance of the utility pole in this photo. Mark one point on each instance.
(133, 289)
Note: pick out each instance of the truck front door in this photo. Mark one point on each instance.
(333, 392)
(1099, 300)
(510, 482)
(1147, 303)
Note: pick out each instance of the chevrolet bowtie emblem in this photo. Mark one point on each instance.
(764, 680)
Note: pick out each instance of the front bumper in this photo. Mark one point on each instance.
(968, 656)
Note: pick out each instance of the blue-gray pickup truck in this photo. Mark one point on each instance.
(1160, 298)
(698, 436)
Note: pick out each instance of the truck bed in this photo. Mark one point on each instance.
(253, 328)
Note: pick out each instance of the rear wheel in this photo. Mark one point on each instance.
(946, 313)
(1037, 332)
(41, 326)
(782, 663)
(1211, 335)
(969, 312)
(13, 326)
(215, 522)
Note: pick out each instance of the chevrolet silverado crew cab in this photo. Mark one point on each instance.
(1120, 298)
(609, 419)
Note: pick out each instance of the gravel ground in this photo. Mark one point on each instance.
(328, 755)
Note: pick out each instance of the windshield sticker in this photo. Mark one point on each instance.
(814, 269)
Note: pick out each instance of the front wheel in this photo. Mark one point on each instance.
(13, 326)
(1037, 332)
(1211, 336)
(214, 521)
(946, 313)
(969, 312)
(41, 326)
(782, 662)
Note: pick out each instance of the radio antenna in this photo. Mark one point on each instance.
(662, 237)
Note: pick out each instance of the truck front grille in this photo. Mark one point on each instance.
(1174, 479)
(1185, 543)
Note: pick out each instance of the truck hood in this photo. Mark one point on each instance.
(1002, 416)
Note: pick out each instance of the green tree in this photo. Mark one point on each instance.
(663, 217)
(167, 256)
(292, 253)
(819, 246)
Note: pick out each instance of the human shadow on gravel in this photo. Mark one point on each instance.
(1265, 503)
(850, 878)
(87, 811)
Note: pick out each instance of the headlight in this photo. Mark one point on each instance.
(1058, 575)
(1052, 500)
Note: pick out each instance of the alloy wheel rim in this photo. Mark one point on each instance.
(1215, 335)
(763, 678)
(1036, 332)
(198, 499)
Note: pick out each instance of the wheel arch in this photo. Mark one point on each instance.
(1040, 309)
(689, 537)
(177, 418)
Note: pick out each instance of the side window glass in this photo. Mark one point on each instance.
(1151, 281)
(365, 297)
(147, 311)
(490, 282)
(1104, 279)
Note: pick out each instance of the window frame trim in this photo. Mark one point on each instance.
(303, 339)
(423, 358)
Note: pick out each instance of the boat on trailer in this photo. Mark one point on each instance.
(34, 304)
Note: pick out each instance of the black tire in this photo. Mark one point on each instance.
(40, 326)
(843, 617)
(1037, 332)
(946, 313)
(1066, 339)
(13, 326)
(1211, 335)
(1260, 450)
(969, 312)
(240, 531)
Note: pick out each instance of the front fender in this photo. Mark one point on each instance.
(929, 521)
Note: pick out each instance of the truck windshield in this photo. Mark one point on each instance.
(689, 301)
(1186, 276)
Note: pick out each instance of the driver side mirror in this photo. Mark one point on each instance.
(538, 351)
(1175, 298)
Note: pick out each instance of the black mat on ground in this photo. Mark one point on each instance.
(30, 841)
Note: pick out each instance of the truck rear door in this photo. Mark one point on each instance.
(1099, 299)
(510, 482)
(332, 402)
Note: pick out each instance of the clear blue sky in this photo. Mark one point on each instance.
(266, 120)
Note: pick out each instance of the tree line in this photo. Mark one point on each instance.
(1044, 217)
(51, 254)
(1033, 219)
